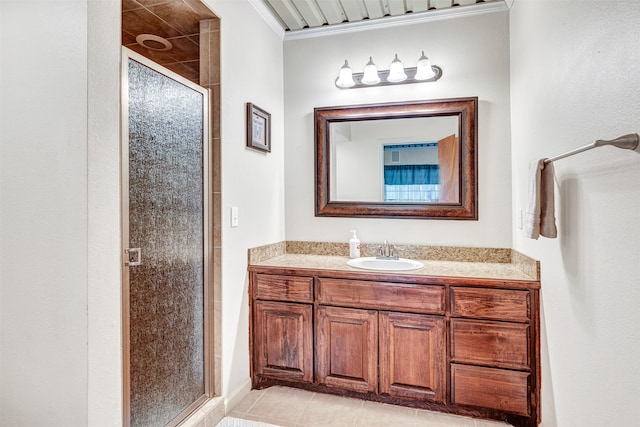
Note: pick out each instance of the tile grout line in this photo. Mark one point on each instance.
(254, 403)
(296, 422)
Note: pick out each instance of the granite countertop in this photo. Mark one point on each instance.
(458, 262)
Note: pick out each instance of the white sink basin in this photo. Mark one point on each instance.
(372, 263)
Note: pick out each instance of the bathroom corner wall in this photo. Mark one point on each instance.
(44, 218)
(575, 77)
(251, 58)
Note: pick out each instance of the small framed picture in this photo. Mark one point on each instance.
(258, 128)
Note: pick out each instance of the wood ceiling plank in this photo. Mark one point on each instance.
(332, 11)
(354, 10)
(142, 21)
(179, 15)
(288, 13)
(440, 4)
(374, 8)
(396, 7)
(310, 12)
(417, 5)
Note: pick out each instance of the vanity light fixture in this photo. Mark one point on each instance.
(424, 69)
(396, 71)
(345, 78)
(396, 74)
(370, 76)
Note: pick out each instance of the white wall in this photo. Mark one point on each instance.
(251, 58)
(43, 161)
(575, 74)
(105, 383)
(474, 55)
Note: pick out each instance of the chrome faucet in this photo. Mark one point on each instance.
(386, 252)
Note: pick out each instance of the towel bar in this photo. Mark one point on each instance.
(628, 142)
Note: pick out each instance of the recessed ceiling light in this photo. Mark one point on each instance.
(154, 42)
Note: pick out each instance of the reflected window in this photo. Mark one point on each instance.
(411, 172)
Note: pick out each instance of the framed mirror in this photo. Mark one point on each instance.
(398, 160)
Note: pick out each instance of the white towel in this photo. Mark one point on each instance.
(540, 219)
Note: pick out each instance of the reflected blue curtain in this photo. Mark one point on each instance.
(411, 174)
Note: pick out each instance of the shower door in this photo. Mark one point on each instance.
(165, 244)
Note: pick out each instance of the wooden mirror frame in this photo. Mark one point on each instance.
(467, 206)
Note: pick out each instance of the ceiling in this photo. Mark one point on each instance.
(178, 21)
(302, 15)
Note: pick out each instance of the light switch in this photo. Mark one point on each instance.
(234, 216)
(520, 219)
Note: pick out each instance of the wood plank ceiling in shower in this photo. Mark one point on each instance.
(175, 20)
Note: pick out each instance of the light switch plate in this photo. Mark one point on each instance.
(234, 217)
(520, 219)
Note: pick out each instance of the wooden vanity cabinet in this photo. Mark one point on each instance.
(282, 327)
(463, 346)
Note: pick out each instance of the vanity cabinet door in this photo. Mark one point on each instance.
(283, 341)
(412, 356)
(347, 350)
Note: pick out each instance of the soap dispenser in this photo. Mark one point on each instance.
(354, 246)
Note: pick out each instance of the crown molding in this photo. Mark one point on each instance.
(266, 14)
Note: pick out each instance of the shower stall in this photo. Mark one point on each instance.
(166, 244)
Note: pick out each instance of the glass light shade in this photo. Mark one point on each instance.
(345, 78)
(396, 71)
(424, 70)
(370, 76)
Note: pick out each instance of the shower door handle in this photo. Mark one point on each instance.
(138, 260)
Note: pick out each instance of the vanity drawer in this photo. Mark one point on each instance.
(284, 288)
(497, 304)
(498, 344)
(382, 295)
(490, 388)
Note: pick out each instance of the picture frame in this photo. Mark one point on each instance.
(258, 128)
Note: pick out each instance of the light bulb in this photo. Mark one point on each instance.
(345, 78)
(424, 69)
(370, 76)
(396, 71)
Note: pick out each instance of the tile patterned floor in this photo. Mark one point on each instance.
(288, 407)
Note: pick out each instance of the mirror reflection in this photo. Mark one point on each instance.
(408, 160)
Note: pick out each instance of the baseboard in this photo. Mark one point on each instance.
(237, 395)
(210, 413)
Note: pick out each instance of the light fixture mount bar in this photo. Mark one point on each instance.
(411, 72)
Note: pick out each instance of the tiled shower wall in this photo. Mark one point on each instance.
(210, 79)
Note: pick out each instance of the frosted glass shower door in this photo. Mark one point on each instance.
(165, 239)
